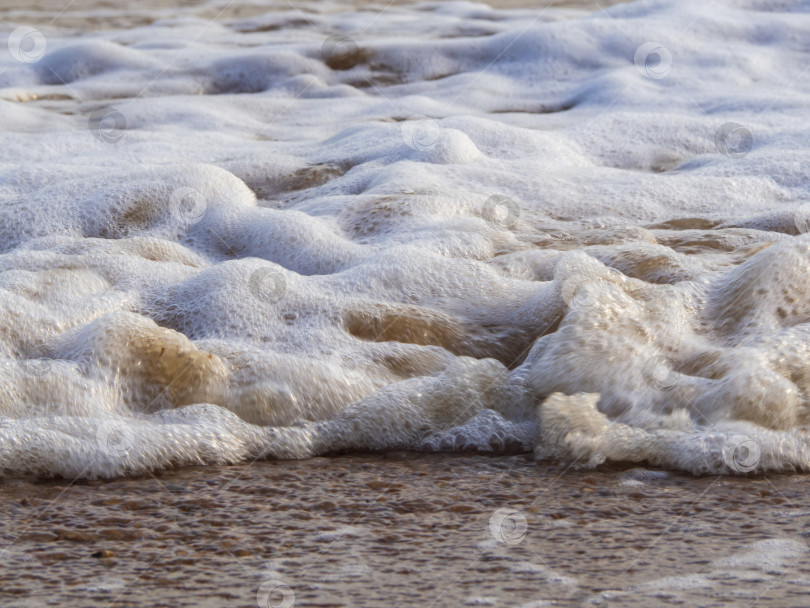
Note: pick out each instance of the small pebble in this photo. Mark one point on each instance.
(104, 553)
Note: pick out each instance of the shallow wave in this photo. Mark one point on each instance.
(582, 234)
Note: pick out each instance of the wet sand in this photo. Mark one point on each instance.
(398, 529)
(406, 530)
(86, 15)
(57, 6)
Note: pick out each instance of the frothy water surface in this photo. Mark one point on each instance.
(450, 227)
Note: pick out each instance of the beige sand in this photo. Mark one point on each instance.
(98, 14)
(405, 530)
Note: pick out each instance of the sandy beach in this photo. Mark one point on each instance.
(404, 529)
(88, 15)
(323, 304)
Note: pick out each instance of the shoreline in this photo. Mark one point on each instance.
(404, 529)
(87, 15)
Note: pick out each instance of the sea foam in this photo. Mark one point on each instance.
(441, 226)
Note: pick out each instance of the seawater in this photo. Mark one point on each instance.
(298, 230)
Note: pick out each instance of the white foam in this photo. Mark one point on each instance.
(451, 228)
